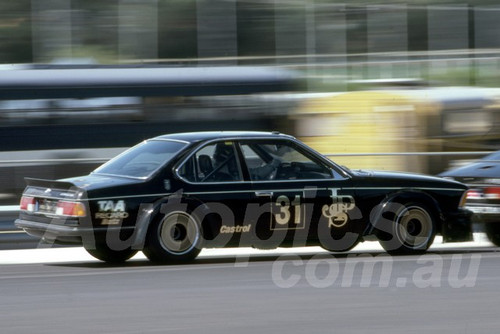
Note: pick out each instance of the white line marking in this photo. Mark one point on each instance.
(78, 254)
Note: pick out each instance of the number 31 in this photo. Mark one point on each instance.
(283, 217)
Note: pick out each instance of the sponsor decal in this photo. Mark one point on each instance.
(235, 229)
(111, 212)
(338, 212)
(290, 215)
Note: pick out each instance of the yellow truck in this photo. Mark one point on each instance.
(371, 129)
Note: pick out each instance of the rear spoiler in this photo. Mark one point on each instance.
(49, 183)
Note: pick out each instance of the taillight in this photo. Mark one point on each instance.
(473, 194)
(28, 203)
(492, 193)
(72, 209)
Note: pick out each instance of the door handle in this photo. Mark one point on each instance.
(264, 193)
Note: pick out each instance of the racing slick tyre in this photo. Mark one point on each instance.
(104, 253)
(493, 233)
(337, 241)
(176, 238)
(412, 230)
(340, 249)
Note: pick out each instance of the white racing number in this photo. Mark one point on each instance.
(290, 213)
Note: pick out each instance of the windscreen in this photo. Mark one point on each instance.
(142, 160)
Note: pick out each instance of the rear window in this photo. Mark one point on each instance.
(142, 160)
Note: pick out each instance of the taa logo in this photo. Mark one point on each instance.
(107, 206)
(111, 212)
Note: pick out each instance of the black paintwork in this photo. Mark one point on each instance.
(250, 203)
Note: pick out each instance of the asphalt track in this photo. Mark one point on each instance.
(453, 289)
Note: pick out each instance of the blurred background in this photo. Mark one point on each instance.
(412, 87)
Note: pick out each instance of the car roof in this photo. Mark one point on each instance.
(211, 135)
(487, 167)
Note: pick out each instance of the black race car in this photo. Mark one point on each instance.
(172, 195)
(483, 198)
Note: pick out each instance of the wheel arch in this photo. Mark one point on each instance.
(159, 209)
(403, 197)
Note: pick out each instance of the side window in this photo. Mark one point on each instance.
(280, 160)
(212, 163)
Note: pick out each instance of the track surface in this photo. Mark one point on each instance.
(238, 291)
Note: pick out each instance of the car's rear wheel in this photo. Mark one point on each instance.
(412, 230)
(104, 253)
(493, 233)
(175, 238)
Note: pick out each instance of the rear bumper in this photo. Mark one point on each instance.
(64, 234)
(484, 213)
(54, 232)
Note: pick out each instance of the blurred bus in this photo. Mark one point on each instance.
(59, 121)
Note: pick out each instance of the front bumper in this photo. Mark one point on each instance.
(457, 227)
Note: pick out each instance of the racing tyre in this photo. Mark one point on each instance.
(106, 254)
(341, 249)
(176, 238)
(412, 230)
(341, 242)
(493, 233)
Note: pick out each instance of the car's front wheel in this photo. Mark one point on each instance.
(412, 230)
(175, 238)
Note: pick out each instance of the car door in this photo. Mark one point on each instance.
(298, 198)
(213, 181)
